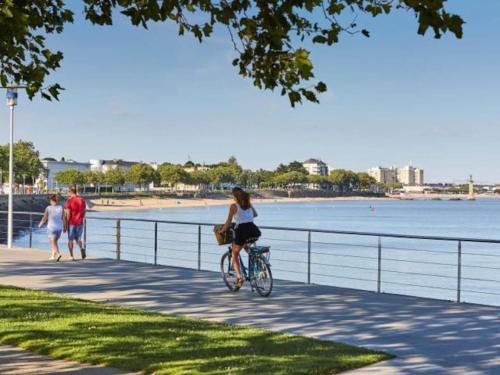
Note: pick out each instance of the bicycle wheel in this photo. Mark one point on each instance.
(263, 277)
(228, 273)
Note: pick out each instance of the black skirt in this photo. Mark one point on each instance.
(245, 231)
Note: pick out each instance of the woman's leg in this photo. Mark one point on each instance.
(53, 247)
(236, 261)
(56, 247)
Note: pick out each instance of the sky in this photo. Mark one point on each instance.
(394, 98)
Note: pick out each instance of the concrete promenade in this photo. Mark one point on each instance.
(428, 336)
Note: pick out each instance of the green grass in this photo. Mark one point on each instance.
(133, 339)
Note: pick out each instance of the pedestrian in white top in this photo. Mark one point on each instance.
(54, 217)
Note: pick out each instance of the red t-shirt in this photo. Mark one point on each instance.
(76, 206)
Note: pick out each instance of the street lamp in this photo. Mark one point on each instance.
(11, 102)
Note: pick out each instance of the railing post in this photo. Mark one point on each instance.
(459, 271)
(118, 239)
(85, 234)
(31, 231)
(309, 257)
(379, 266)
(156, 243)
(199, 247)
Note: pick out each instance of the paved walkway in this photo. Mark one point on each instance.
(15, 361)
(428, 336)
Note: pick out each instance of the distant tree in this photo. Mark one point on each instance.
(232, 161)
(95, 179)
(199, 177)
(290, 179)
(294, 166)
(114, 177)
(346, 180)
(70, 177)
(141, 174)
(27, 163)
(188, 164)
(171, 175)
(322, 181)
(366, 182)
(264, 178)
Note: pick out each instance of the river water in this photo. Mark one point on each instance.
(415, 267)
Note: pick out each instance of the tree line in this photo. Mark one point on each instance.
(218, 176)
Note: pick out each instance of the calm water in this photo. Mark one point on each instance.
(415, 267)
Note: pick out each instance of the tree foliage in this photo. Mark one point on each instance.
(171, 174)
(141, 174)
(269, 37)
(27, 163)
(70, 177)
(114, 177)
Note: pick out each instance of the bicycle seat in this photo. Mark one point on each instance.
(262, 249)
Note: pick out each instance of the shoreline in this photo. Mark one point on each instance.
(109, 205)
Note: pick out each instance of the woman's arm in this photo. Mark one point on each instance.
(229, 220)
(44, 218)
(255, 214)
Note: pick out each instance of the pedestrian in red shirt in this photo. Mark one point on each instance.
(75, 215)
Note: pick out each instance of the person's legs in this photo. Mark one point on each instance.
(70, 248)
(236, 261)
(78, 237)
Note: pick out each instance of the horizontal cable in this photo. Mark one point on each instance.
(178, 250)
(480, 292)
(374, 246)
(481, 267)
(419, 262)
(182, 259)
(418, 286)
(418, 250)
(482, 254)
(344, 277)
(419, 274)
(136, 245)
(344, 255)
(343, 266)
(181, 241)
(480, 279)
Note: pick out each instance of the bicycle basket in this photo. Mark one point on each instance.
(223, 238)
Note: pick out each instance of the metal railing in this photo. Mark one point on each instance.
(447, 262)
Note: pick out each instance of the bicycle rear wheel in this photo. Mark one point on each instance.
(263, 277)
(228, 273)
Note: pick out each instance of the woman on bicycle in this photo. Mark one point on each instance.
(243, 214)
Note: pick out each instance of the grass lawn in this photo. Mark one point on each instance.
(133, 339)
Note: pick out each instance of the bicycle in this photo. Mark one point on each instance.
(257, 273)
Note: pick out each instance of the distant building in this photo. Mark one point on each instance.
(316, 167)
(106, 165)
(407, 176)
(52, 167)
(419, 177)
(384, 175)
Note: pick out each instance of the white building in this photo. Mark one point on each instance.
(53, 167)
(106, 165)
(316, 167)
(407, 176)
(384, 175)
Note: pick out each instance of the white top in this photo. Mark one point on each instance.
(55, 217)
(243, 216)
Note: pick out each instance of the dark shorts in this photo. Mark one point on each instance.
(75, 232)
(245, 231)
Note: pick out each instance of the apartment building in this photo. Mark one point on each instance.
(51, 167)
(407, 176)
(316, 167)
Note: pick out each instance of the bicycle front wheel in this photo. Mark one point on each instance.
(263, 277)
(227, 272)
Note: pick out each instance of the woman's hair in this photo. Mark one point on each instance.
(54, 198)
(242, 198)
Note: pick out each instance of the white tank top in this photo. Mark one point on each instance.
(243, 216)
(55, 217)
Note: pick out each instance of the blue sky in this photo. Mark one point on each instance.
(393, 99)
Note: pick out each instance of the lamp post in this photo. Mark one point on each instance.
(11, 102)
